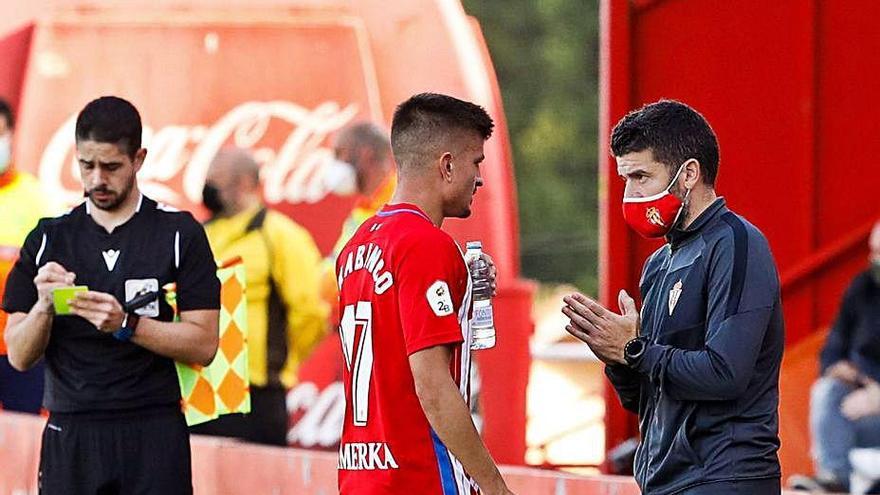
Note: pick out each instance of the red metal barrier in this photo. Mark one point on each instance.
(226, 467)
(222, 467)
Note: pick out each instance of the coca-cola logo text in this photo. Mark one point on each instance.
(288, 140)
(316, 415)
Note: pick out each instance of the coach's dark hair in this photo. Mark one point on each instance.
(422, 123)
(110, 119)
(673, 131)
(6, 111)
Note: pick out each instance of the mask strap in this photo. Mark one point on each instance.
(681, 208)
(674, 179)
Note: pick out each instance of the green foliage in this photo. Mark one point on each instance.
(545, 53)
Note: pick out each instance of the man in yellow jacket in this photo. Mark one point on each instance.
(22, 203)
(286, 317)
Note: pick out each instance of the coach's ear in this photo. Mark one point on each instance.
(692, 173)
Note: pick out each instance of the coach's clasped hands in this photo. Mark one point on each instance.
(605, 331)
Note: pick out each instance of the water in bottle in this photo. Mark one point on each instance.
(483, 323)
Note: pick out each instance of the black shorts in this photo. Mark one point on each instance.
(145, 452)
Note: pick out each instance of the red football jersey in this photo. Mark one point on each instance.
(403, 287)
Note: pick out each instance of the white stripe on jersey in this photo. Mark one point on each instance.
(465, 322)
(462, 480)
(40, 252)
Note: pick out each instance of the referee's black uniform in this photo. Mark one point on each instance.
(115, 424)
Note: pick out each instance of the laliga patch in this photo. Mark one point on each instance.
(439, 298)
(136, 287)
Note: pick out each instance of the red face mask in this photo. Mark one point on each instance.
(655, 215)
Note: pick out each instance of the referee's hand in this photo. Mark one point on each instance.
(50, 277)
(100, 309)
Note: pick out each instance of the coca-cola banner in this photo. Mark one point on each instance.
(272, 89)
(179, 155)
(280, 77)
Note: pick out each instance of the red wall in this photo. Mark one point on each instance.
(788, 87)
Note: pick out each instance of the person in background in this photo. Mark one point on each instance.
(285, 314)
(845, 401)
(22, 203)
(362, 165)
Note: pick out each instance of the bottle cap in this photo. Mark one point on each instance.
(474, 245)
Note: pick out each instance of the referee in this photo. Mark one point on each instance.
(115, 423)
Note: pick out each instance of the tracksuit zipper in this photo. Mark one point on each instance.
(656, 398)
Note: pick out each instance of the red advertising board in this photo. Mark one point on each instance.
(279, 78)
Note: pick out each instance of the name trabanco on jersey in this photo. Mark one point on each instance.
(367, 257)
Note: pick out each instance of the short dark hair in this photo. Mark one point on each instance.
(6, 111)
(673, 131)
(423, 121)
(110, 119)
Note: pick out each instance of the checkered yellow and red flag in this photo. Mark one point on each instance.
(223, 387)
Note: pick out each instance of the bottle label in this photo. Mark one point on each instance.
(483, 314)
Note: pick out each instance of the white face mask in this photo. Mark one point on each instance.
(5, 153)
(340, 178)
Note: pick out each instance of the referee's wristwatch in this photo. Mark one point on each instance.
(634, 350)
(129, 324)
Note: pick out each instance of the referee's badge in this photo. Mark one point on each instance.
(674, 294)
(136, 287)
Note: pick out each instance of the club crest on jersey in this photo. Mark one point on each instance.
(674, 295)
(439, 298)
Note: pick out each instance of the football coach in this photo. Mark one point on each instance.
(700, 365)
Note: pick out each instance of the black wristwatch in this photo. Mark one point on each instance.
(634, 350)
(129, 324)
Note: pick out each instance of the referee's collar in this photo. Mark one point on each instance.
(137, 209)
(101, 228)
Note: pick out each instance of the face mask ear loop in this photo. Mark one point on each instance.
(674, 179)
(681, 208)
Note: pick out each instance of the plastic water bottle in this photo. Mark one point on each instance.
(483, 323)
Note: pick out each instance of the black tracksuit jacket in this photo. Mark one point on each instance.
(707, 386)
